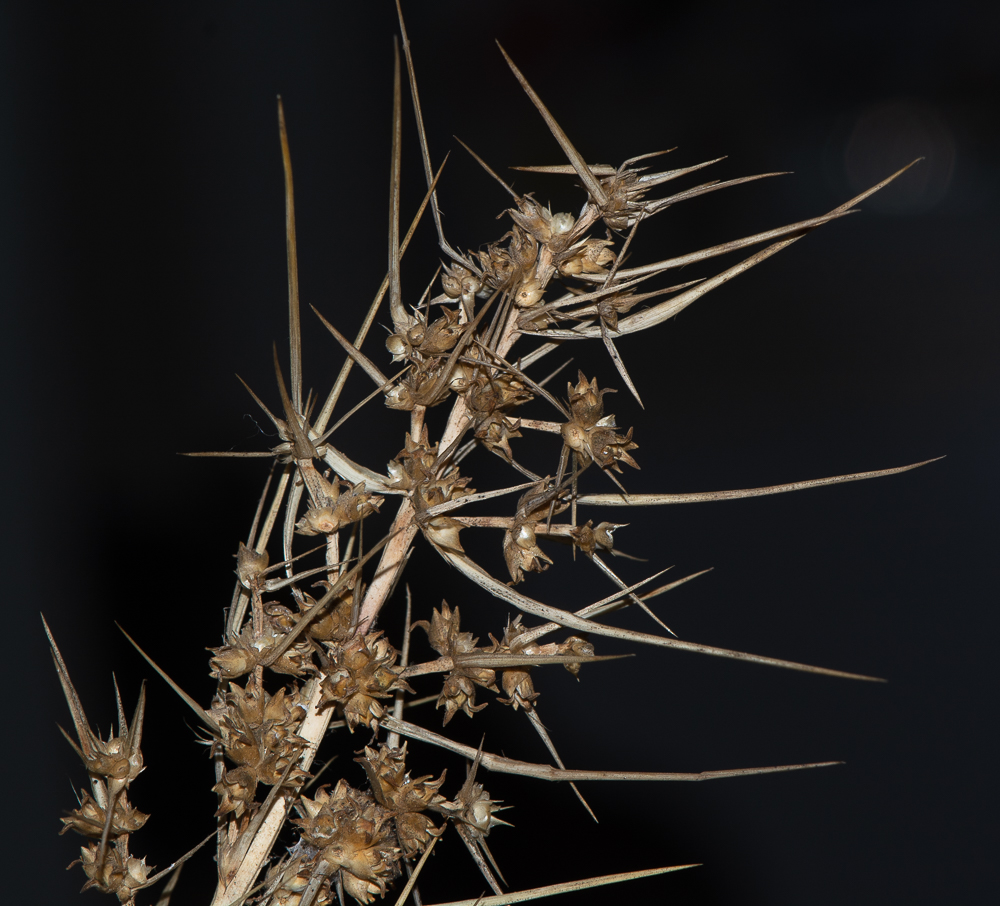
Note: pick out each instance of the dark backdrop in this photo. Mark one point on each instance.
(143, 262)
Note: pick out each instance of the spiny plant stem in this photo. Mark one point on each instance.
(291, 661)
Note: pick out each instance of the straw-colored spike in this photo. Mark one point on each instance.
(705, 496)
(582, 170)
(503, 765)
(571, 621)
(551, 890)
(294, 320)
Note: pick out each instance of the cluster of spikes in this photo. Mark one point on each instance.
(302, 657)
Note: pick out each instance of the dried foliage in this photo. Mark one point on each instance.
(302, 658)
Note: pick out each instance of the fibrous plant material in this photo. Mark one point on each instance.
(308, 653)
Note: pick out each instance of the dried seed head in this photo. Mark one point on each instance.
(452, 276)
(576, 645)
(333, 625)
(259, 737)
(443, 531)
(473, 806)
(504, 267)
(590, 537)
(542, 226)
(443, 632)
(521, 550)
(591, 433)
(252, 649)
(342, 509)
(414, 463)
(608, 448)
(250, 566)
(358, 675)
(589, 256)
(495, 433)
(119, 873)
(441, 335)
(529, 293)
(459, 691)
(488, 393)
(401, 396)
(353, 833)
(586, 401)
(516, 681)
(89, 818)
(405, 797)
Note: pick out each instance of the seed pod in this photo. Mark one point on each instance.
(529, 293)
(576, 645)
(521, 551)
(343, 509)
(586, 401)
(441, 335)
(451, 279)
(496, 431)
(473, 806)
(399, 346)
(443, 531)
(590, 537)
(400, 397)
(250, 566)
(608, 448)
(562, 223)
(516, 681)
(251, 650)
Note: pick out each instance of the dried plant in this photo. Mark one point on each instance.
(304, 658)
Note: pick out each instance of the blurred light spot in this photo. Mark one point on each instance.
(888, 136)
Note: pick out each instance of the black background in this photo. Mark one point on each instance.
(143, 262)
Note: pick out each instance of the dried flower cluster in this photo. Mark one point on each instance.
(302, 656)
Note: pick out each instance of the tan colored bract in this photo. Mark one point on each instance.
(297, 664)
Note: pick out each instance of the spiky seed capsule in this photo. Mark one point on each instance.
(259, 737)
(474, 808)
(252, 649)
(119, 873)
(459, 690)
(353, 833)
(521, 551)
(89, 819)
(443, 531)
(516, 681)
(576, 645)
(529, 293)
(407, 798)
(591, 256)
(358, 675)
(250, 566)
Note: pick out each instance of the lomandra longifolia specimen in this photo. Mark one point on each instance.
(307, 660)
